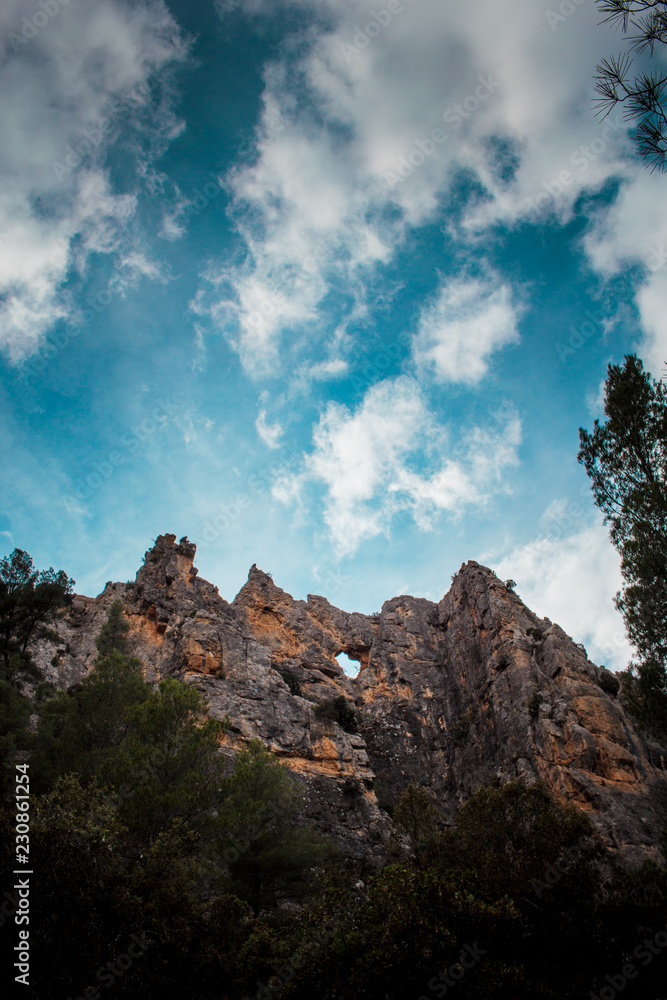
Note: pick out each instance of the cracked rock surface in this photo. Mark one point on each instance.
(449, 695)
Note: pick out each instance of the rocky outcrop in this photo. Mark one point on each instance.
(448, 695)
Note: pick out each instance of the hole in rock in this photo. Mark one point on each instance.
(351, 667)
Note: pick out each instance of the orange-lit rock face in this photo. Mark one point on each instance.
(448, 696)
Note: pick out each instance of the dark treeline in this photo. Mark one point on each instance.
(158, 872)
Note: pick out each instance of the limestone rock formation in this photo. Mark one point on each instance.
(448, 695)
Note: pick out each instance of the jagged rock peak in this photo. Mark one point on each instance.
(167, 561)
(259, 583)
(449, 695)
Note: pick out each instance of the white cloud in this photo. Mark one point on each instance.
(325, 371)
(595, 400)
(634, 232)
(458, 332)
(318, 209)
(269, 433)
(571, 574)
(66, 92)
(392, 455)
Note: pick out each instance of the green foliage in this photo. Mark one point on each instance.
(506, 836)
(168, 766)
(45, 690)
(338, 710)
(15, 711)
(292, 682)
(75, 843)
(113, 634)
(609, 683)
(458, 732)
(93, 896)
(267, 847)
(81, 729)
(409, 925)
(150, 747)
(644, 691)
(626, 461)
(644, 98)
(635, 907)
(30, 600)
(418, 817)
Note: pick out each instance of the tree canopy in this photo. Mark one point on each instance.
(267, 847)
(644, 96)
(113, 634)
(29, 603)
(626, 460)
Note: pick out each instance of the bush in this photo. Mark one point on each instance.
(292, 682)
(351, 788)
(609, 683)
(459, 730)
(44, 691)
(338, 710)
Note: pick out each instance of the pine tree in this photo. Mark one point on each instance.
(626, 461)
(113, 634)
(30, 600)
(644, 98)
(264, 843)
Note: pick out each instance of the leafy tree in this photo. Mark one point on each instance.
(268, 849)
(81, 730)
(401, 937)
(75, 843)
(168, 766)
(418, 817)
(626, 461)
(506, 837)
(189, 923)
(15, 711)
(644, 97)
(113, 634)
(635, 904)
(30, 600)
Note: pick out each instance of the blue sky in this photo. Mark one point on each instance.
(327, 287)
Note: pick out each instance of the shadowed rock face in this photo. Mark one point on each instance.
(448, 695)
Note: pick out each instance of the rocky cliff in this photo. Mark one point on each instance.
(448, 695)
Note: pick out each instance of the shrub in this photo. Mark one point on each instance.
(292, 682)
(45, 690)
(338, 710)
(459, 731)
(351, 788)
(609, 683)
